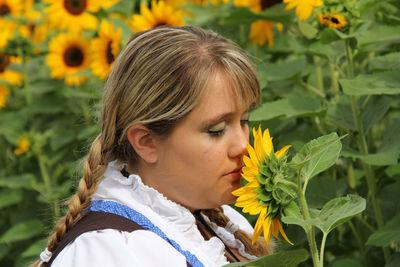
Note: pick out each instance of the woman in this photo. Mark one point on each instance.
(174, 128)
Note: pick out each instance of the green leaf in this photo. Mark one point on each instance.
(377, 159)
(22, 231)
(341, 113)
(4, 250)
(41, 86)
(319, 191)
(47, 104)
(307, 30)
(276, 13)
(9, 197)
(389, 233)
(394, 261)
(299, 221)
(367, 5)
(373, 84)
(35, 249)
(346, 263)
(379, 34)
(292, 210)
(386, 62)
(375, 110)
(202, 14)
(393, 170)
(339, 210)
(288, 107)
(287, 258)
(19, 181)
(388, 151)
(282, 71)
(317, 155)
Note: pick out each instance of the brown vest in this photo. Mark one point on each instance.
(92, 221)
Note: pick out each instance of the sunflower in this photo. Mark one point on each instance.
(332, 20)
(105, 49)
(261, 31)
(160, 14)
(4, 93)
(68, 55)
(36, 30)
(267, 191)
(304, 8)
(11, 7)
(7, 28)
(72, 14)
(23, 145)
(103, 4)
(10, 76)
(214, 2)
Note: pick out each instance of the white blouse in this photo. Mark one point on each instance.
(142, 247)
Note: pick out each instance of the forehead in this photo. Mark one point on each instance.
(220, 96)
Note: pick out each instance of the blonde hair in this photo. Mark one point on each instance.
(157, 79)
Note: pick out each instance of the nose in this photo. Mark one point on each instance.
(239, 141)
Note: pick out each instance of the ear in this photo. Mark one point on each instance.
(143, 142)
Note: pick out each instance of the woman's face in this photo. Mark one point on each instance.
(199, 162)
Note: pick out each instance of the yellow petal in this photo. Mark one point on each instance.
(283, 234)
(249, 177)
(258, 228)
(267, 142)
(247, 161)
(253, 155)
(267, 230)
(282, 152)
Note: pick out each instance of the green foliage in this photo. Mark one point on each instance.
(288, 258)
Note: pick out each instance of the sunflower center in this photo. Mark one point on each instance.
(75, 7)
(110, 56)
(161, 23)
(73, 56)
(32, 27)
(4, 9)
(268, 3)
(4, 62)
(334, 20)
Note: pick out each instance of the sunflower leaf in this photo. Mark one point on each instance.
(317, 155)
(387, 234)
(338, 211)
(289, 258)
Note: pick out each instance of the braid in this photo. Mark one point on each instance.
(93, 168)
(258, 249)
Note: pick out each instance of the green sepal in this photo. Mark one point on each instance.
(264, 197)
(261, 178)
(265, 171)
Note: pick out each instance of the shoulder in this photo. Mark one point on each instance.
(115, 248)
(238, 219)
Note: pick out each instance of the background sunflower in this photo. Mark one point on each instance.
(11, 7)
(72, 15)
(105, 49)
(68, 55)
(160, 14)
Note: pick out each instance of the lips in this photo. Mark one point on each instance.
(235, 174)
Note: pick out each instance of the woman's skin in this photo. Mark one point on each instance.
(198, 164)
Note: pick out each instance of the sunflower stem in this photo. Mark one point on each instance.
(310, 231)
(322, 249)
(47, 181)
(363, 148)
(28, 95)
(318, 72)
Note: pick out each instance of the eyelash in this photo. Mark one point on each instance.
(221, 132)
